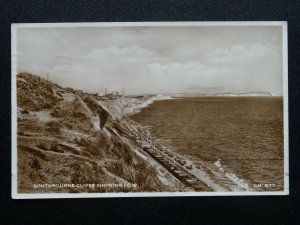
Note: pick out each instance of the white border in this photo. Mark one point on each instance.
(14, 112)
(15, 27)
(285, 106)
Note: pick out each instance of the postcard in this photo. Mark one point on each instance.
(149, 109)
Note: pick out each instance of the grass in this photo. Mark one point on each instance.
(33, 152)
(30, 125)
(53, 127)
(91, 103)
(86, 173)
(38, 142)
(62, 110)
(118, 169)
(34, 93)
(90, 147)
(41, 146)
(133, 168)
(33, 169)
(35, 164)
(54, 147)
(73, 115)
(25, 111)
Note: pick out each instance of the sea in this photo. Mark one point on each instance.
(242, 136)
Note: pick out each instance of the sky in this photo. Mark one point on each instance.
(156, 60)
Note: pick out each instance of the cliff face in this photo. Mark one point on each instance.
(59, 142)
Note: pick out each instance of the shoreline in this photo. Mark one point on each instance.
(68, 120)
(184, 169)
(126, 106)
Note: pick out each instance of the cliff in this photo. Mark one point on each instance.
(59, 142)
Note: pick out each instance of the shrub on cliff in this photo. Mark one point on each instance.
(91, 103)
(34, 93)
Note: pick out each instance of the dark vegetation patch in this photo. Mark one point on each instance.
(25, 111)
(45, 152)
(62, 110)
(34, 152)
(91, 103)
(55, 146)
(30, 125)
(34, 93)
(64, 169)
(53, 127)
(91, 147)
(73, 116)
(133, 168)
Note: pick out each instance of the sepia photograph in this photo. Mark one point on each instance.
(149, 109)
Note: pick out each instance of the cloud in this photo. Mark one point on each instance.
(239, 54)
(253, 68)
(155, 59)
(134, 52)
